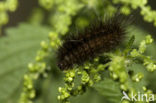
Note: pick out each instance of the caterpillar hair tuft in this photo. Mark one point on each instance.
(100, 37)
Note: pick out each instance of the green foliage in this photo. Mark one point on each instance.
(110, 90)
(61, 19)
(146, 11)
(46, 3)
(5, 6)
(17, 49)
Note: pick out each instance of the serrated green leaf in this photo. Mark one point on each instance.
(17, 49)
(110, 90)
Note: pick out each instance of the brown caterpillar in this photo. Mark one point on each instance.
(100, 37)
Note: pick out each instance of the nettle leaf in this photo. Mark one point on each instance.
(17, 49)
(110, 90)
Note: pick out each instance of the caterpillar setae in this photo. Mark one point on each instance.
(100, 37)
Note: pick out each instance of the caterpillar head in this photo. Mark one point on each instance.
(62, 65)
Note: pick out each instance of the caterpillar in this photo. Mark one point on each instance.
(99, 37)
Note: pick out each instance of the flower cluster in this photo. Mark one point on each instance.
(89, 75)
(62, 19)
(6, 6)
(146, 11)
(148, 63)
(38, 68)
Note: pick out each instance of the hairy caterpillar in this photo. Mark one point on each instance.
(100, 37)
